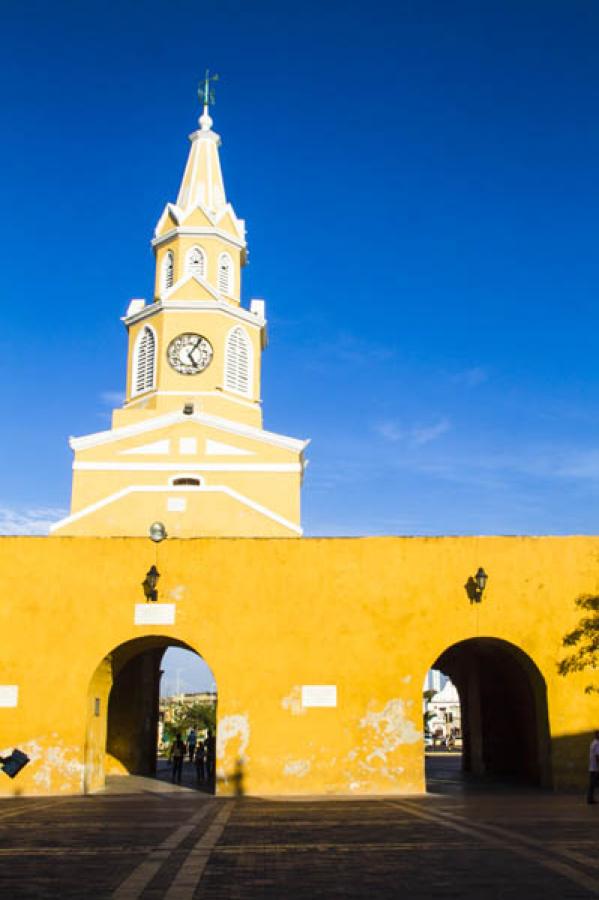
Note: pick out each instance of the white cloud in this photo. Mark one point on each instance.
(426, 434)
(29, 520)
(390, 430)
(112, 398)
(416, 435)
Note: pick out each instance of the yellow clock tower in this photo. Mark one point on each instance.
(188, 447)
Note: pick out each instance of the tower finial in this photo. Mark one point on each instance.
(206, 95)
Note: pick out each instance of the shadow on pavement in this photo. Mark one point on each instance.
(444, 775)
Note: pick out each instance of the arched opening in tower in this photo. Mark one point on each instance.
(485, 718)
(152, 712)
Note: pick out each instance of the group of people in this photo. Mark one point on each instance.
(202, 753)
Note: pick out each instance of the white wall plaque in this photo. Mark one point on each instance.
(319, 695)
(9, 694)
(154, 614)
(176, 504)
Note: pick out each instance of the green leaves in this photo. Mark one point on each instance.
(585, 639)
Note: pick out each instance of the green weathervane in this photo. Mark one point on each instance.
(206, 90)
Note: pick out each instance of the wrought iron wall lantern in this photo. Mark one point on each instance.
(149, 584)
(475, 587)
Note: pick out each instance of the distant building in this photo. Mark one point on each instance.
(445, 721)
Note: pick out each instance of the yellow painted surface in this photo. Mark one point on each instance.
(368, 615)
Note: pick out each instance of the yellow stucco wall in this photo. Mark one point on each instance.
(368, 615)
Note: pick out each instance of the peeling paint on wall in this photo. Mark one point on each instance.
(232, 728)
(57, 768)
(293, 701)
(297, 767)
(177, 592)
(385, 731)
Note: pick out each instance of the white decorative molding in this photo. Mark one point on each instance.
(157, 422)
(154, 614)
(319, 695)
(217, 448)
(154, 488)
(258, 308)
(222, 395)
(186, 306)
(135, 306)
(9, 695)
(188, 446)
(88, 466)
(157, 448)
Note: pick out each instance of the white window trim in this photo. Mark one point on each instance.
(250, 349)
(135, 359)
(231, 286)
(188, 271)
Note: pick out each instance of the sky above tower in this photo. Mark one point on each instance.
(420, 186)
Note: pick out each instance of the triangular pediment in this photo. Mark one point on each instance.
(191, 287)
(201, 422)
(198, 217)
(169, 219)
(228, 221)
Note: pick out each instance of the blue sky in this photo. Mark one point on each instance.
(420, 184)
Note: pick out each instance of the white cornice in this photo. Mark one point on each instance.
(152, 309)
(198, 231)
(174, 418)
(213, 489)
(221, 394)
(85, 466)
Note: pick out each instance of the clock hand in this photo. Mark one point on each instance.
(195, 347)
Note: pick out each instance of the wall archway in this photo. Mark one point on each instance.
(504, 714)
(123, 709)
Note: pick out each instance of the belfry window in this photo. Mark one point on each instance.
(144, 361)
(225, 274)
(168, 271)
(238, 362)
(187, 482)
(195, 262)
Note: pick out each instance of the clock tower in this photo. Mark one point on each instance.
(188, 447)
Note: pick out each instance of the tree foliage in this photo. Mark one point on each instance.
(584, 641)
(195, 715)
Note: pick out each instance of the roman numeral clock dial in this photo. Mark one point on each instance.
(189, 353)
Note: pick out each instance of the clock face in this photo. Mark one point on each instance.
(189, 353)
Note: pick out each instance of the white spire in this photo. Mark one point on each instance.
(202, 180)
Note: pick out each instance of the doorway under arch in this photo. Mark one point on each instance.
(504, 718)
(123, 711)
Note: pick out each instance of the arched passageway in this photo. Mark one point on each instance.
(504, 727)
(126, 719)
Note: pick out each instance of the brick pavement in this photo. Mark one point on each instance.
(146, 839)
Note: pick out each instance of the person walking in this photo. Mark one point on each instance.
(200, 761)
(192, 739)
(593, 768)
(177, 756)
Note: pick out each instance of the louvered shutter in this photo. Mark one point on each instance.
(237, 362)
(224, 274)
(144, 361)
(195, 262)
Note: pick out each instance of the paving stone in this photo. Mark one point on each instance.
(488, 845)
